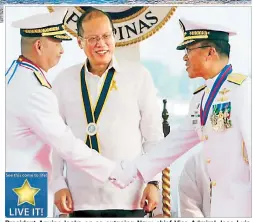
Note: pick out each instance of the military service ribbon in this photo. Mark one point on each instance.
(20, 61)
(93, 116)
(26, 63)
(215, 89)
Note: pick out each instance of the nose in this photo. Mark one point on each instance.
(185, 58)
(100, 41)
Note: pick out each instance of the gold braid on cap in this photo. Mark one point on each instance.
(45, 30)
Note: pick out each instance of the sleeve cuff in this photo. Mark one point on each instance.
(58, 184)
(158, 177)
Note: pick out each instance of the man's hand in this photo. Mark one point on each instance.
(63, 201)
(150, 198)
(124, 173)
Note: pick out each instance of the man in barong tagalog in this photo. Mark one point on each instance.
(113, 108)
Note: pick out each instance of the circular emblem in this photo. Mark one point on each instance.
(132, 24)
(91, 129)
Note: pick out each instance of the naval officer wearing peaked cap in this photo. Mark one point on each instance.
(33, 123)
(219, 116)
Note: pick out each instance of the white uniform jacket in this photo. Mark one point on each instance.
(227, 153)
(194, 188)
(33, 123)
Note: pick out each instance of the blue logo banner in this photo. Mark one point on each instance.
(26, 194)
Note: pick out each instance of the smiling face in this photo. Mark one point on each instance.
(97, 41)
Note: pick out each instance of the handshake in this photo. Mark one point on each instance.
(124, 174)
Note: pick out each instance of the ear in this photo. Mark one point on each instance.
(38, 46)
(212, 51)
(80, 42)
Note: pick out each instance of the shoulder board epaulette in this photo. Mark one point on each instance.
(42, 79)
(236, 78)
(199, 89)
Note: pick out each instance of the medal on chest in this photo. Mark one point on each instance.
(215, 119)
(220, 117)
(92, 117)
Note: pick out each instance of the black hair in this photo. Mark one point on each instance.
(221, 46)
(89, 14)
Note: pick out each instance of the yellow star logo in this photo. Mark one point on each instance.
(26, 193)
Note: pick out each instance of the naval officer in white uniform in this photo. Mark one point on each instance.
(219, 115)
(33, 123)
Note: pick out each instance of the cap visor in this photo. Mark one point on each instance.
(184, 44)
(63, 37)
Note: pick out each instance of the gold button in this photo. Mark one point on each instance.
(213, 183)
(204, 138)
(208, 161)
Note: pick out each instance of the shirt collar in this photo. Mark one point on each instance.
(22, 58)
(114, 63)
(210, 82)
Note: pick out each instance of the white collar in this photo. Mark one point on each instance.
(113, 64)
(210, 82)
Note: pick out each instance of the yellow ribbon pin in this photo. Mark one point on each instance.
(114, 86)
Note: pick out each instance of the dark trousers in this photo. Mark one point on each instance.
(108, 213)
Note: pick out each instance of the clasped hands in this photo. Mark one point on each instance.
(124, 174)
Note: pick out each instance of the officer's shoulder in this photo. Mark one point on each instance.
(199, 89)
(237, 78)
(43, 82)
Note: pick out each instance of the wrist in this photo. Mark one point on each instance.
(154, 183)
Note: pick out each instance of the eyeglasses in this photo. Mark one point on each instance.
(93, 40)
(187, 50)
